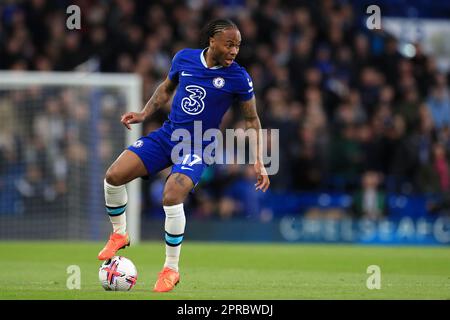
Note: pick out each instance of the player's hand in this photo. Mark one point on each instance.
(262, 179)
(132, 117)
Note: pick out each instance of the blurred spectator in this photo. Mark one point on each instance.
(441, 167)
(439, 102)
(370, 202)
(421, 144)
(34, 189)
(308, 166)
(408, 108)
(346, 157)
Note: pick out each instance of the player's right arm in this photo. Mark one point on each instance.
(159, 98)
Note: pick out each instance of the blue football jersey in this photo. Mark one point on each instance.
(204, 94)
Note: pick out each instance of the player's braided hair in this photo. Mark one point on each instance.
(214, 27)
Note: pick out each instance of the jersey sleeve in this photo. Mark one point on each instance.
(175, 67)
(244, 91)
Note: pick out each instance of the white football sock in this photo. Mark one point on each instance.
(116, 202)
(174, 231)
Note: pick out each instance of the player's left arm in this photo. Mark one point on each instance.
(252, 121)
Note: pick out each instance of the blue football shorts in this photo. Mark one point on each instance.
(155, 151)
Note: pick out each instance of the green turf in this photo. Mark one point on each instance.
(38, 270)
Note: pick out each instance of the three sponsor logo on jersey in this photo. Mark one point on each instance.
(194, 104)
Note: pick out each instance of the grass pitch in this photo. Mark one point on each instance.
(228, 271)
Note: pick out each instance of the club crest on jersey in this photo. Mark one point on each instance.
(219, 82)
(138, 144)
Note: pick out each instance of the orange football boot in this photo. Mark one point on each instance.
(116, 242)
(167, 280)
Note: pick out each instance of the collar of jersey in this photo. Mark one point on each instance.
(202, 58)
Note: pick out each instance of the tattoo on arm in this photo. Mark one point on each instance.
(160, 97)
(250, 114)
(252, 122)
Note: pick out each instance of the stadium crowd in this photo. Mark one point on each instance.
(354, 115)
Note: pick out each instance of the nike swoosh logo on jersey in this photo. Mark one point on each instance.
(186, 74)
(186, 168)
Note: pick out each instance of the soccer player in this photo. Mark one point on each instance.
(208, 81)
